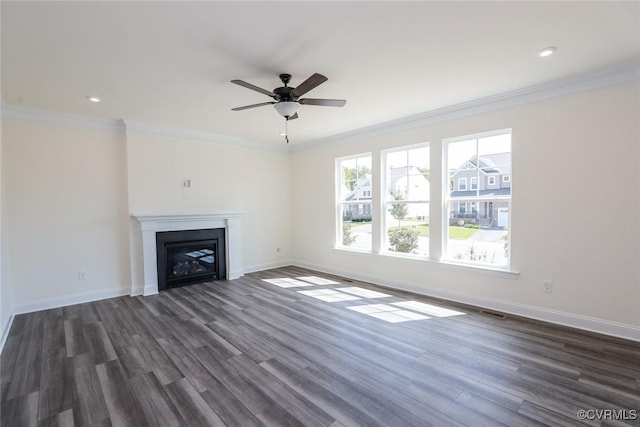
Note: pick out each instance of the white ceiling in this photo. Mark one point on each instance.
(170, 63)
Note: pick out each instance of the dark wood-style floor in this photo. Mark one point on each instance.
(250, 353)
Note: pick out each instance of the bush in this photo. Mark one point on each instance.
(404, 239)
(348, 238)
(476, 226)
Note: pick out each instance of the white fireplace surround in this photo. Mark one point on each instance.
(150, 224)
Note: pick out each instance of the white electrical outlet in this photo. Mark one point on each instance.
(82, 275)
(278, 250)
(547, 286)
(186, 183)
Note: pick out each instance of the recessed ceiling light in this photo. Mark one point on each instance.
(547, 51)
(93, 98)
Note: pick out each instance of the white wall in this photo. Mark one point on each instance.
(5, 294)
(66, 210)
(223, 178)
(575, 212)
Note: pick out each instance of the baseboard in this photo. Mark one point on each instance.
(47, 304)
(5, 331)
(266, 266)
(620, 330)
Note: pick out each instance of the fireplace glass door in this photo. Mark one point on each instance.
(190, 260)
(190, 256)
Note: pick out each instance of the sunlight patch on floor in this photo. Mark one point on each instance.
(362, 292)
(318, 280)
(392, 312)
(329, 295)
(287, 282)
(388, 313)
(432, 310)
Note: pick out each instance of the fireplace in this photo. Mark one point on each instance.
(144, 275)
(190, 256)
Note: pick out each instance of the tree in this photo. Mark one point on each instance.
(399, 210)
(426, 172)
(351, 175)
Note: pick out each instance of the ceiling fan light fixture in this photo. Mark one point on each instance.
(286, 108)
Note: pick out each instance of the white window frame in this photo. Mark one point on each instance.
(439, 201)
(506, 178)
(339, 203)
(384, 204)
(462, 180)
(447, 200)
(473, 185)
(491, 180)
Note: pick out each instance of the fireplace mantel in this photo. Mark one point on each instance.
(150, 224)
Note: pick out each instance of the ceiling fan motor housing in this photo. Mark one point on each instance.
(284, 93)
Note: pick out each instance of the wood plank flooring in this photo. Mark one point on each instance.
(251, 352)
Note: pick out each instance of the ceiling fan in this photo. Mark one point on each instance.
(287, 99)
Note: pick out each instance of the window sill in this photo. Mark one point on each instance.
(449, 265)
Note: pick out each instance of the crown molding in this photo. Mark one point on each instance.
(36, 115)
(182, 133)
(610, 76)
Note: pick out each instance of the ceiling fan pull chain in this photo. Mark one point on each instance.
(286, 129)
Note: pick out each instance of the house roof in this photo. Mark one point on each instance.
(394, 175)
(498, 163)
(398, 172)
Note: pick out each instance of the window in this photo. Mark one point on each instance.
(478, 229)
(406, 200)
(462, 184)
(393, 217)
(354, 202)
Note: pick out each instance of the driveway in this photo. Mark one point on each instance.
(489, 235)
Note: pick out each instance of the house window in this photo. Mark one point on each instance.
(506, 178)
(353, 194)
(474, 183)
(406, 200)
(462, 184)
(478, 229)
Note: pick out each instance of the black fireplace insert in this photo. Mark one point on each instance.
(190, 256)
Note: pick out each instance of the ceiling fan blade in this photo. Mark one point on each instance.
(312, 82)
(246, 107)
(323, 102)
(295, 116)
(253, 87)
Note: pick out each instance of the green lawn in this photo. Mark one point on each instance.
(455, 232)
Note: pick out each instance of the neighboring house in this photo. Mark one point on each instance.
(360, 211)
(488, 179)
(409, 183)
(406, 181)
